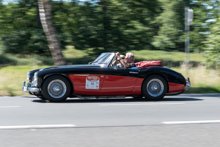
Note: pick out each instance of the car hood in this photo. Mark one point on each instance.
(69, 67)
(60, 68)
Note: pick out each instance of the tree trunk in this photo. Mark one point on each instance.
(49, 30)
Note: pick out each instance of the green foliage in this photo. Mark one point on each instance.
(201, 25)
(20, 29)
(25, 42)
(10, 59)
(4, 60)
(212, 48)
(170, 24)
(73, 56)
(110, 25)
(123, 25)
(107, 25)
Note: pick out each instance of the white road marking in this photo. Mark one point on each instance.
(156, 103)
(191, 122)
(9, 106)
(37, 126)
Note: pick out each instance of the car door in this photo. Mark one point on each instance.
(87, 84)
(119, 81)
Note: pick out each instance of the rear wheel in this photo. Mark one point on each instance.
(154, 87)
(56, 88)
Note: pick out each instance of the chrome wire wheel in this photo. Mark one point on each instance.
(155, 87)
(57, 89)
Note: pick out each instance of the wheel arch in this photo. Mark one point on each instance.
(61, 74)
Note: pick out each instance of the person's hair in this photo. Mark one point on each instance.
(131, 56)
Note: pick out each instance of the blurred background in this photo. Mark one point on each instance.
(151, 29)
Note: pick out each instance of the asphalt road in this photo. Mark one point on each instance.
(187, 120)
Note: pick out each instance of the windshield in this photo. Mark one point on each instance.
(104, 58)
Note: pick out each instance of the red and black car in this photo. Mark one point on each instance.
(99, 78)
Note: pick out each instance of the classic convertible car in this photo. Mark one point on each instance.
(101, 78)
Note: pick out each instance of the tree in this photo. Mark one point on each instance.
(111, 25)
(170, 24)
(212, 47)
(49, 29)
(20, 29)
(204, 11)
(102, 26)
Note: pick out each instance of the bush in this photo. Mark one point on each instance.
(5, 60)
(25, 42)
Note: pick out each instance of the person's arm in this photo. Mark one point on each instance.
(126, 65)
(118, 57)
(113, 63)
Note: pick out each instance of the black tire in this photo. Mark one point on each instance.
(154, 87)
(41, 97)
(138, 97)
(56, 88)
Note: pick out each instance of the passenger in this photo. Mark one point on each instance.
(128, 62)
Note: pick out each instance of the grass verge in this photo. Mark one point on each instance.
(12, 77)
(202, 80)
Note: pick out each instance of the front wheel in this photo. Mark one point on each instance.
(154, 87)
(41, 97)
(56, 88)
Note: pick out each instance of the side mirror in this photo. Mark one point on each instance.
(90, 63)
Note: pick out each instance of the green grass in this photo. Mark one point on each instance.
(14, 60)
(171, 58)
(12, 77)
(167, 55)
(168, 58)
(202, 80)
(205, 89)
(73, 56)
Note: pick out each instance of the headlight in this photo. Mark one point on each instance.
(28, 76)
(34, 82)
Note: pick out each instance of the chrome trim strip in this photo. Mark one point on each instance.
(81, 74)
(133, 72)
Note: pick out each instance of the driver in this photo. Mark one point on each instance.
(128, 62)
(114, 62)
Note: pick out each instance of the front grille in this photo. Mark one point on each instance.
(30, 78)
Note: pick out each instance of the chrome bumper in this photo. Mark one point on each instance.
(188, 85)
(28, 88)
